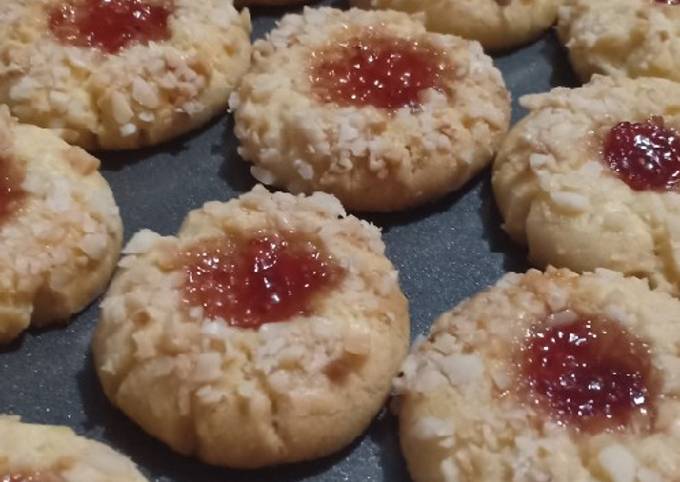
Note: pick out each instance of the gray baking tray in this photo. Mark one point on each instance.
(444, 252)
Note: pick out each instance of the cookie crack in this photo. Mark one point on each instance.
(266, 389)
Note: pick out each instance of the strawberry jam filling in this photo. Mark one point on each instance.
(378, 71)
(261, 279)
(11, 193)
(110, 25)
(645, 155)
(590, 374)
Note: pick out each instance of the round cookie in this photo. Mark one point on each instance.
(422, 114)
(47, 453)
(547, 376)
(60, 231)
(631, 38)
(298, 374)
(580, 181)
(153, 70)
(496, 24)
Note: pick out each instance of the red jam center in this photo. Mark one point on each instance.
(252, 281)
(110, 25)
(379, 71)
(10, 190)
(646, 155)
(590, 374)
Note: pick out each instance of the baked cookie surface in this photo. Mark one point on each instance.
(195, 349)
(589, 178)
(100, 86)
(388, 135)
(268, 3)
(60, 231)
(547, 376)
(631, 38)
(496, 24)
(48, 453)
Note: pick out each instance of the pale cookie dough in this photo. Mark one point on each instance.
(496, 24)
(48, 453)
(372, 159)
(462, 419)
(140, 96)
(60, 244)
(631, 38)
(287, 391)
(558, 197)
(268, 3)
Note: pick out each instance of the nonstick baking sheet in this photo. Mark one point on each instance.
(444, 252)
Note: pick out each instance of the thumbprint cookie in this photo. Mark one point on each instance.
(496, 24)
(60, 231)
(631, 38)
(547, 376)
(370, 107)
(590, 178)
(267, 331)
(120, 74)
(47, 453)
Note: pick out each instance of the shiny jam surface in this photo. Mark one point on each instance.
(263, 279)
(590, 374)
(110, 25)
(668, 2)
(10, 190)
(646, 155)
(376, 70)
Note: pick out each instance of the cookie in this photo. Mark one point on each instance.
(370, 107)
(589, 178)
(48, 453)
(60, 231)
(120, 74)
(631, 38)
(274, 317)
(497, 24)
(547, 376)
(267, 3)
